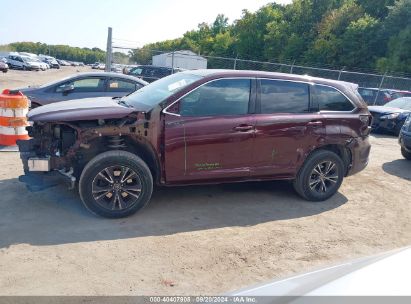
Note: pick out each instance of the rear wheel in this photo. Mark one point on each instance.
(320, 177)
(115, 184)
(405, 153)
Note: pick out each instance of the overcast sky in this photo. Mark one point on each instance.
(84, 23)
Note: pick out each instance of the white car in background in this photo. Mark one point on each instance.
(23, 63)
(43, 65)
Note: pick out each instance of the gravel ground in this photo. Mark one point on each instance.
(198, 239)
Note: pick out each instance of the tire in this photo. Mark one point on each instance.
(405, 153)
(310, 185)
(113, 204)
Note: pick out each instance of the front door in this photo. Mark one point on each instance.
(212, 137)
(85, 87)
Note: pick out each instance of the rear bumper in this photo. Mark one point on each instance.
(360, 153)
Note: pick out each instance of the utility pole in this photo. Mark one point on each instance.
(380, 86)
(172, 62)
(109, 51)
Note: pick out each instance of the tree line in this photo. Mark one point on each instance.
(350, 34)
(64, 52)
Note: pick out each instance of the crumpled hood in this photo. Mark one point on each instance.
(83, 109)
(386, 110)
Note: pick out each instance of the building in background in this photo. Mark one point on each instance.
(182, 59)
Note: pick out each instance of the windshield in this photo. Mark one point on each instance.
(403, 103)
(157, 91)
(136, 71)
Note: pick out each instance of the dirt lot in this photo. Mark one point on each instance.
(197, 240)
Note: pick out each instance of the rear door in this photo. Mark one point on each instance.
(285, 127)
(120, 87)
(337, 113)
(212, 136)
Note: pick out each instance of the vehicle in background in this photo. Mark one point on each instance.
(374, 96)
(405, 138)
(23, 63)
(43, 65)
(398, 94)
(53, 63)
(116, 68)
(63, 62)
(391, 116)
(3, 66)
(200, 127)
(151, 73)
(98, 66)
(83, 85)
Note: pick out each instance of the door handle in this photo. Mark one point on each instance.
(316, 123)
(243, 128)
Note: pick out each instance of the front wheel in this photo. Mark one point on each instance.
(405, 153)
(115, 184)
(320, 177)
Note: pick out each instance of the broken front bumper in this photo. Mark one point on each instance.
(41, 172)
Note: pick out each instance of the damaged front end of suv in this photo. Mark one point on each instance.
(66, 135)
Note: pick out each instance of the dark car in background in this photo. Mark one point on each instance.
(374, 96)
(83, 85)
(200, 127)
(53, 63)
(151, 73)
(405, 138)
(391, 116)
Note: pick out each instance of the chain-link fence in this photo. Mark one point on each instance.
(178, 60)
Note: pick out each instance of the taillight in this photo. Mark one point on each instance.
(366, 121)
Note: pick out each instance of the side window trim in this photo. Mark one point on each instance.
(342, 93)
(252, 96)
(258, 102)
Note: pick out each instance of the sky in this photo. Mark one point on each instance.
(84, 23)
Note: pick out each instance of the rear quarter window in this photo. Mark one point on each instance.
(330, 99)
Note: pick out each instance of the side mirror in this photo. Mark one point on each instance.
(67, 89)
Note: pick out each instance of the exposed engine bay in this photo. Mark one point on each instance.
(67, 146)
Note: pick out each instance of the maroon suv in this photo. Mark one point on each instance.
(200, 127)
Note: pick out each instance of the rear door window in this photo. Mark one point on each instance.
(120, 85)
(330, 99)
(283, 97)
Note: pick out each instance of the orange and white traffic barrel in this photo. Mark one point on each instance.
(13, 110)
